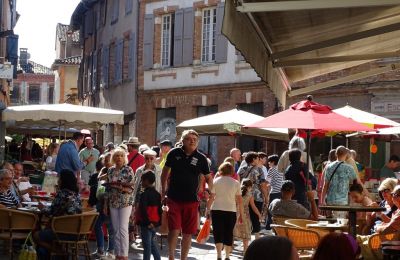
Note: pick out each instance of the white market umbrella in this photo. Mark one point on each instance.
(55, 115)
(366, 118)
(232, 122)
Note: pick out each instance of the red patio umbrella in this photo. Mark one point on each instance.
(311, 117)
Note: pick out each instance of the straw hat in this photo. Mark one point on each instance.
(133, 140)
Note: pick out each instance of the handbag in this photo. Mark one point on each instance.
(163, 230)
(204, 233)
(28, 252)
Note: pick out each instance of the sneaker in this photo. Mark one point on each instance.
(98, 255)
(108, 256)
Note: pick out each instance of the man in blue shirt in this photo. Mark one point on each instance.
(68, 157)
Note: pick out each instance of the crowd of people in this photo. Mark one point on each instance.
(129, 184)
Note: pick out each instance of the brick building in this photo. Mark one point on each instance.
(34, 83)
(187, 68)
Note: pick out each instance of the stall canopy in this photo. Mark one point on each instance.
(56, 115)
(231, 122)
(289, 43)
(369, 119)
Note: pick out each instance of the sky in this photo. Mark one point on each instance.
(37, 23)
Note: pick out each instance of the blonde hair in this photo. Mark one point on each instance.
(51, 148)
(226, 169)
(118, 151)
(388, 183)
(230, 160)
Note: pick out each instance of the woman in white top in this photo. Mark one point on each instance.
(225, 195)
(52, 156)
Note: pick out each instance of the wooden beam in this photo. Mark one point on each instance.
(337, 41)
(279, 6)
(300, 62)
(350, 78)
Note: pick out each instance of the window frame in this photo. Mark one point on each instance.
(210, 57)
(36, 87)
(169, 48)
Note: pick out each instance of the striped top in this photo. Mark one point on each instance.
(276, 179)
(8, 199)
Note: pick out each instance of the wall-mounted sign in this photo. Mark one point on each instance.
(6, 71)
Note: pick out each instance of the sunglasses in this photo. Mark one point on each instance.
(386, 191)
(149, 158)
(395, 194)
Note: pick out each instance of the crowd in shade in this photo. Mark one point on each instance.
(130, 184)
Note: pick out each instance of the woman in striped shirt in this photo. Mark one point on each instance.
(7, 198)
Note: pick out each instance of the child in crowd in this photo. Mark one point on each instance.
(101, 207)
(243, 230)
(148, 216)
(357, 196)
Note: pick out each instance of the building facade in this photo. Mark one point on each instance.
(66, 65)
(107, 74)
(187, 68)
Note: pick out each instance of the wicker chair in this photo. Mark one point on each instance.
(375, 240)
(77, 228)
(280, 230)
(279, 220)
(303, 239)
(16, 225)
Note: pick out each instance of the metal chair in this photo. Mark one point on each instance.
(72, 233)
(16, 225)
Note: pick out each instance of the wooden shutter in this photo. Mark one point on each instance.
(94, 72)
(118, 61)
(88, 23)
(105, 67)
(132, 58)
(148, 42)
(188, 25)
(221, 45)
(178, 38)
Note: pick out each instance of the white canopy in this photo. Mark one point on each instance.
(231, 122)
(366, 118)
(55, 115)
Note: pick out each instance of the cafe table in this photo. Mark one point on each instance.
(352, 213)
(331, 227)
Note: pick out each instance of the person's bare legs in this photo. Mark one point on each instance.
(219, 247)
(228, 251)
(185, 245)
(245, 245)
(172, 240)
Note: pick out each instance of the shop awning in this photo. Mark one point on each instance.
(290, 42)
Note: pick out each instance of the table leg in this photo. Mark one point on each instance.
(353, 223)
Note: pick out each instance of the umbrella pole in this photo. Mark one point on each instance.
(59, 131)
(331, 142)
(308, 157)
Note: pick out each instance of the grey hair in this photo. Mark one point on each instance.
(3, 173)
(189, 132)
(297, 142)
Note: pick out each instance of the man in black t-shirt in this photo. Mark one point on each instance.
(183, 169)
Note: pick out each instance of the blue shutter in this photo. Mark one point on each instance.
(12, 52)
(88, 29)
(119, 59)
(94, 72)
(221, 45)
(128, 6)
(148, 41)
(105, 63)
(178, 38)
(115, 11)
(132, 57)
(188, 25)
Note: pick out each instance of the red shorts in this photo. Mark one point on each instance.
(183, 216)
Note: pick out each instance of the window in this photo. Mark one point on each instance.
(128, 6)
(166, 124)
(247, 143)
(34, 95)
(115, 11)
(51, 95)
(15, 96)
(167, 40)
(209, 144)
(208, 39)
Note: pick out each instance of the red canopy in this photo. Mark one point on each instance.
(310, 115)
